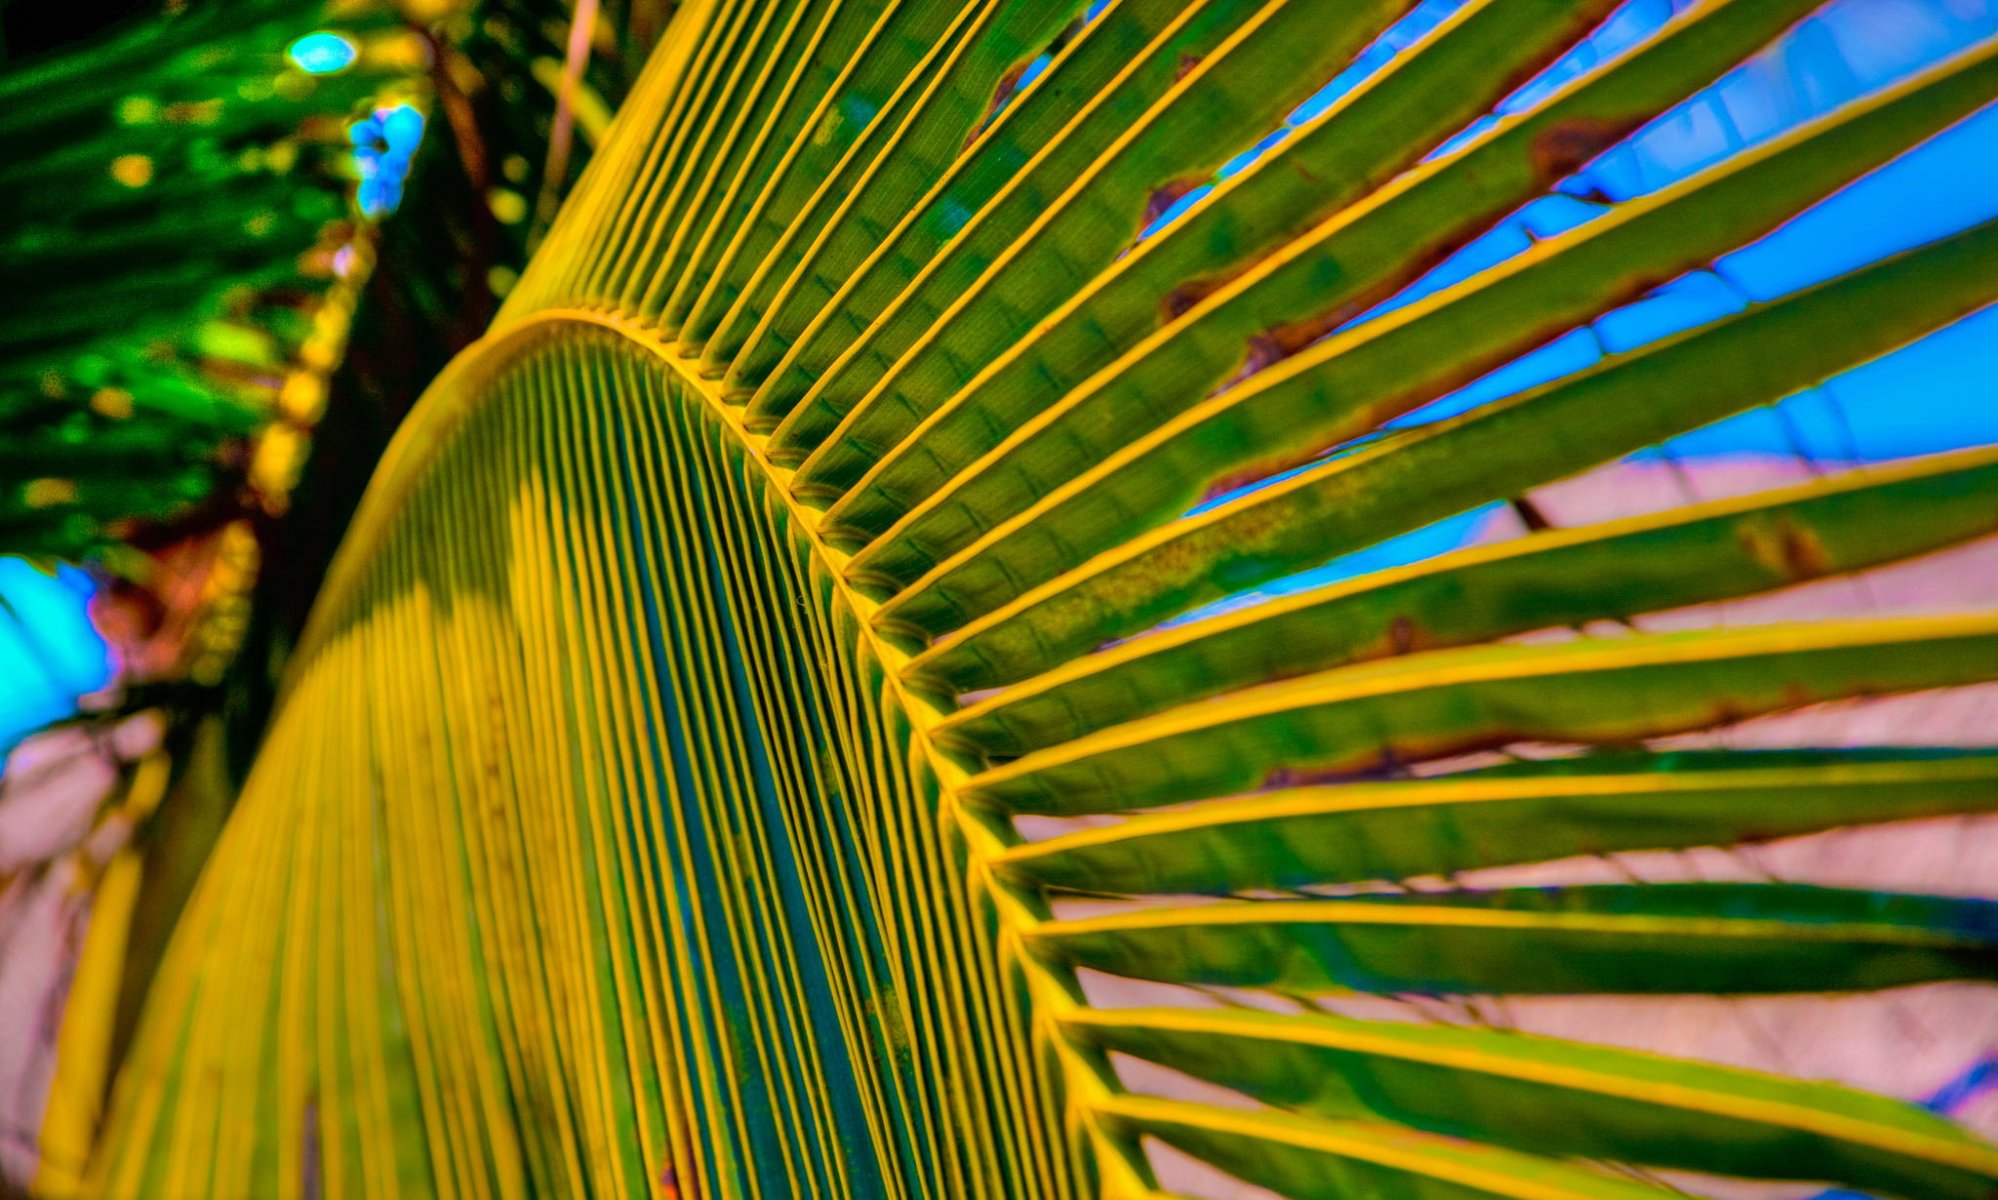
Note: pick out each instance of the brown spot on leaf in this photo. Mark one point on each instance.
(1165, 197)
(1530, 515)
(1008, 84)
(1181, 300)
(1789, 549)
(1264, 350)
(1803, 553)
(1567, 146)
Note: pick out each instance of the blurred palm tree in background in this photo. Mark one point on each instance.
(200, 363)
(1142, 598)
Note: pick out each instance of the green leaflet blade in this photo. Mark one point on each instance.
(1598, 691)
(1386, 831)
(1549, 1096)
(1637, 939)
(1327, 1160)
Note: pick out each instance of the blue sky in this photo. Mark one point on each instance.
(49, 654)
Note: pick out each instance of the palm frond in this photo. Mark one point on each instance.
(857, 685)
